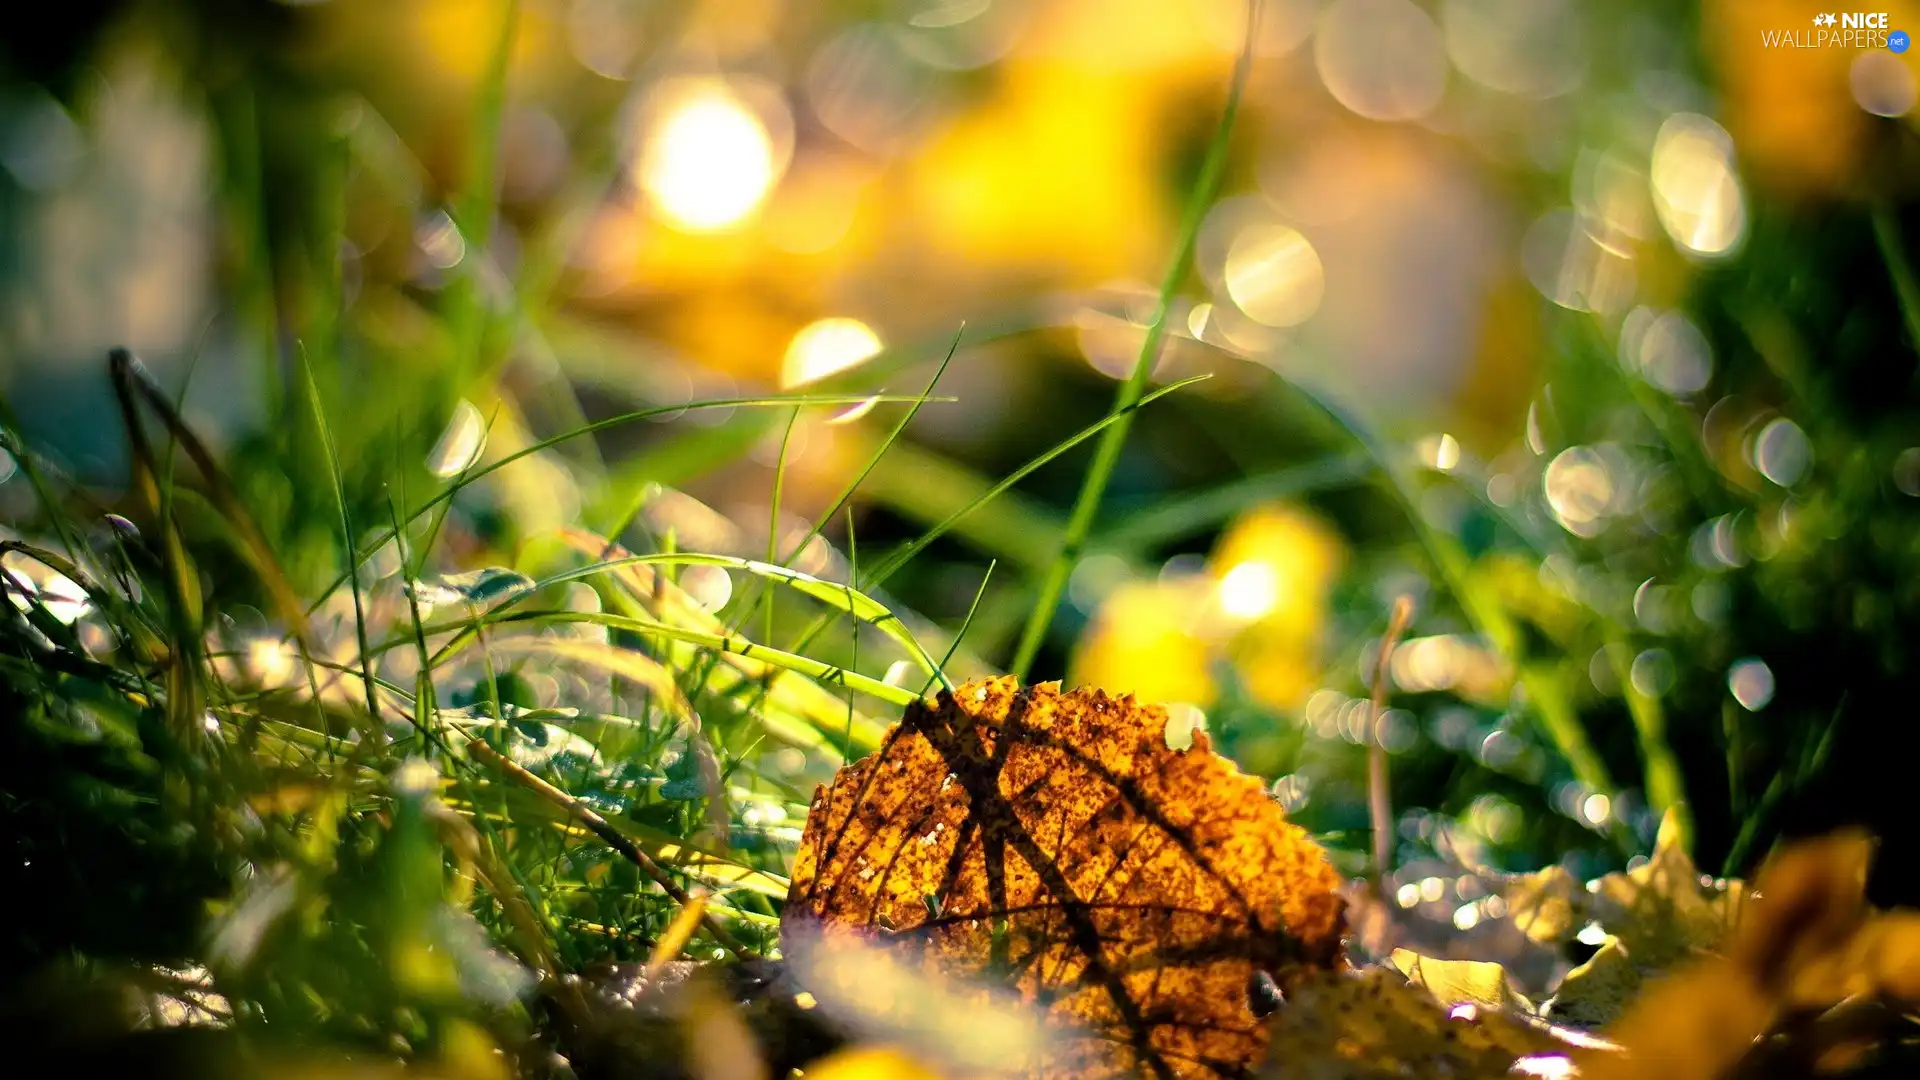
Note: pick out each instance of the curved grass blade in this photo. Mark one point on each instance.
(804, 665)
(792, 708)
(346, 536)
(841, 598)
(635, 667)
(887, 444)
(131, 380)
(372, 547)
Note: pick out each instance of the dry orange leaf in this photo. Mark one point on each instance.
(1052, 843)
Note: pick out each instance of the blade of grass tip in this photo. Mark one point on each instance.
(1665, 783)
(1886, 236)
(184, 612)
(893, 436)
(853, 571)
(376, 730)
(906, 552)
(1106, 454)
(1813, 760)
(505, 460)
(960, 634)
(438, 519)
(846, 496)
(253, 544)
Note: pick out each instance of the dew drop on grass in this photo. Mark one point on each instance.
(460, 444)
(899, 673)
(1781, 452)
(1696, 189)
(708, 586)
(1906, 471)
(1750, 681)
(480, 588)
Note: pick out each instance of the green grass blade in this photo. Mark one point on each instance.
(1188, 515)
(1886, 234)
(841, 598)
(1107, 453)
(131, 381)
(961, 634)
(906, 552)
(773, 522)
(888, 444)
(804, 665)
(346, 534)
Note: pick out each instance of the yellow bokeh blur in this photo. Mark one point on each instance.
(1262, 606)
(709, 160)
(869, 1063)
(1143, 642)
(1054, 173)
(1277, 650)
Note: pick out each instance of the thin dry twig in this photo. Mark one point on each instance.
(1379, 803)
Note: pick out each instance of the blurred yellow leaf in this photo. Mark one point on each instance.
(1055, 171)
(1377, 1026)
(1262, 604)
(1598, 991)
(1298, 556)
(1664, 911)
(1547, 905)
(1460, 982)
(1807, 939)
(468, 1052)
(869, 1063)
(1274, 569)
(1142, 642)
(720, 1045)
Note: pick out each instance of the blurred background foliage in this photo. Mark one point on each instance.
(1590, 326)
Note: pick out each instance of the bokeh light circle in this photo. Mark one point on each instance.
(1383, 59)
